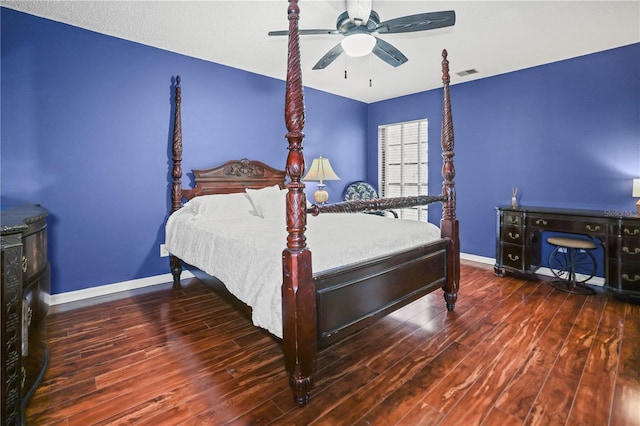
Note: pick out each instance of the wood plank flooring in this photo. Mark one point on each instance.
(515, 351)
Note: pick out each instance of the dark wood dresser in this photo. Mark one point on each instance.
(24, 302)
(519, 241)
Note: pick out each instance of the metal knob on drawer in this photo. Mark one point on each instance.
(514, 220)
(628, 232)
(592, 228)
(628, 250)
(541, 222)
(25, 262)
(514, 258)
(635, 278)
(514, 236)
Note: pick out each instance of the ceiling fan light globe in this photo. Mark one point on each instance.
(357, 45)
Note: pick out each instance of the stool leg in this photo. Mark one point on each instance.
(572, 267)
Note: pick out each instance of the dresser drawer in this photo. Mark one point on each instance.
(34, 258)
(34, 307)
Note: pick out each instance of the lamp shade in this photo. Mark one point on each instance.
(636, 188)
(321, 170)
(359, 44)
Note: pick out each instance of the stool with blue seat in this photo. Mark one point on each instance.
(573, 264)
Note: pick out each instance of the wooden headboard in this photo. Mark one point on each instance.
(234, 176)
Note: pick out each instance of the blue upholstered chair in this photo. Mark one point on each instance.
(360, 190)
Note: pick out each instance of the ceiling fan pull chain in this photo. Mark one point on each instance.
(370, 71)
(345, 67)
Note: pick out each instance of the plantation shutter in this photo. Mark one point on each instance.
(403, 164)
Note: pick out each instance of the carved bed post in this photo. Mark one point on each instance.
(449, 223)
(298, 290)
(176, 188)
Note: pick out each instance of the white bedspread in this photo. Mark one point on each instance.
(246, 253)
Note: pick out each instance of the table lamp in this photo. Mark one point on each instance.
(636, 192)
(321, 170)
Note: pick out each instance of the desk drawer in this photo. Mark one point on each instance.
(629, 250)
(630, 278)
(512, 235)
(512, 256)
(513, 219)
(627, 278)
(630, 229)
(584, 226)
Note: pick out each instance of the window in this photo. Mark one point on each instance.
(403, 164)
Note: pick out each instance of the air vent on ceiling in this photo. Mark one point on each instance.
(467, 72)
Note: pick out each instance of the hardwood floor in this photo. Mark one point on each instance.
(514, 351)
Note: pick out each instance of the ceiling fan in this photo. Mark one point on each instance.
(359, 22)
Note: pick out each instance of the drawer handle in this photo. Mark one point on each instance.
(24, 377)
(635, 278)
(29, 315)
(513, 258)
(514, 220)
(541, 222)
(627, 250)
(514, 236)
(635, 231)
(25, 262)
(593, 228)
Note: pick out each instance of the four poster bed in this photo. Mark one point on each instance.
(314, 302)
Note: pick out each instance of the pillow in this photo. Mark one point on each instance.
(222, 205)
(268, 202)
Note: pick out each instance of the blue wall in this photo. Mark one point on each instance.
(86, 131)
(566, 134)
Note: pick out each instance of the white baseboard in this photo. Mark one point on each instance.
(599, 281)
(479, 259)
(103, 290)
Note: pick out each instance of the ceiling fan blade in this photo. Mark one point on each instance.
(388, 53)
(303, 32)
(329, 57)
(419, 22)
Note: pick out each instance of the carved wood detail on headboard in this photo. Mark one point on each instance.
(234, 176)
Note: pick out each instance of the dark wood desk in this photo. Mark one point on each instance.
(519, 241)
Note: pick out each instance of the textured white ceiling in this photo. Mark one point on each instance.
(494, 37)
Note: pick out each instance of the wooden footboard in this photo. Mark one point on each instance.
(350, 298)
